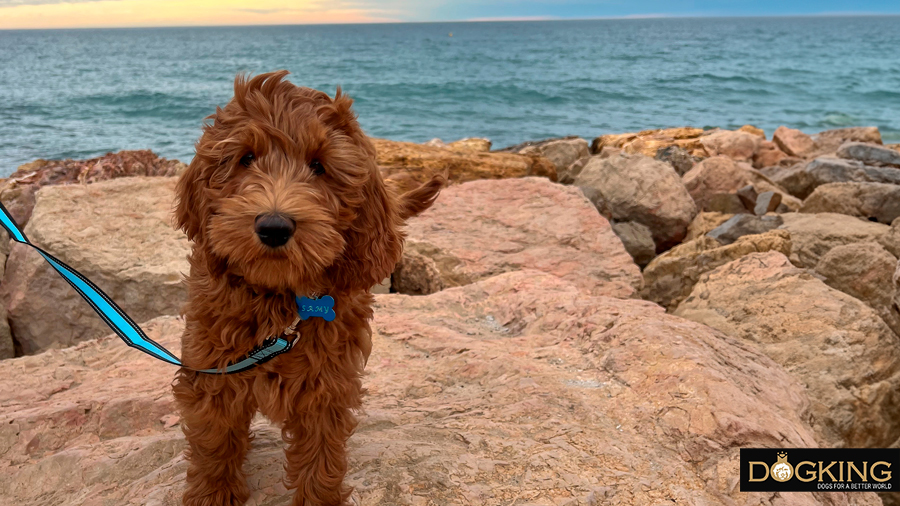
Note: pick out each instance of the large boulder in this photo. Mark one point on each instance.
(792, 178)
(814, 235)
(863, 270)
(837, 346)
(17, 192)
(721, 174)
(638, 241)
(119, 235)
(517, 388)
(868, 153)
(872, 201)
(406, 165)
(670, 277)
(483, 228)
(640, 189)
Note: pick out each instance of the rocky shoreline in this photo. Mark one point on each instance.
(514, 362)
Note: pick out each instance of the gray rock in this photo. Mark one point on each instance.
(680, 159)
(872, 201)
(638, 241)
(563, 153)
(863, 270)
(870, 154)
(794, 179)
(748, 196)
(643, 190)
(830, 140)
(767, 202)
(725, 203)
(827, 169)
(744, 224)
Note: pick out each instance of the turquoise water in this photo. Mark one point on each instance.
(81, 93)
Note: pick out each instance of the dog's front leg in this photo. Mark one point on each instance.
(215, 417)
(316, 455)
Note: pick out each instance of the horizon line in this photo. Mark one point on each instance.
(510, 19)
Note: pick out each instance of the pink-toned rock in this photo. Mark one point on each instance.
(794, 142)
(737, 145)
(519, 386)
(721, 174)
(836, 345)
(483, 228)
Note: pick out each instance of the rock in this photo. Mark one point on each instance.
(638, 241)
(119, 235)
(750, 129)
(794, 179)
(517, 387)
(406, 165)
(670, 277)
(895, 306)
(744, 224)
(870, 154)
(830, 140)
(891, 239)
(814, 235)
(794, 142)
(561, 152)
(383, 287)
(640, 189)
(470, 145)
(837, 346)
(703, 223)
(741, 146)
(871, 201)
(7, 348)
(769, 155)
(828, 169)
(17, 194)
(725, 203)
(678, 158)
(767, 202)
(483, 228)
(748, 196)
(721, 174)
(649, 142)
(863, 270)
(572, 172)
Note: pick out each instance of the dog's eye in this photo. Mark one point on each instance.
(317, 167)
(247, 159)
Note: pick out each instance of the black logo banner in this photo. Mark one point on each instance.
(820, 469)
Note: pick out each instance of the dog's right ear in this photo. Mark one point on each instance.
(190, 200)
(415, 201)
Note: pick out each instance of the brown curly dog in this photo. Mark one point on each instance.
(283, 198)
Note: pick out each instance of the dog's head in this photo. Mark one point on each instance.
(284, 192)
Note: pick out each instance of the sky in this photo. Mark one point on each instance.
(132, 13)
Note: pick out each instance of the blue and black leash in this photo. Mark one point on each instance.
(135, 337)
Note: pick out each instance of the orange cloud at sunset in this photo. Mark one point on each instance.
(129, 13)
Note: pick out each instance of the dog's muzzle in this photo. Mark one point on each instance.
(274, 230)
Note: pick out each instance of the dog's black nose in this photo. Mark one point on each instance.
(273, 229)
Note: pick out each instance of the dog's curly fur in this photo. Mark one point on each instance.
(310, 163)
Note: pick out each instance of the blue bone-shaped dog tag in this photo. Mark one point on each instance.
(321, 307)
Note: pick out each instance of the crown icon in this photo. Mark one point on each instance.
(782, 455)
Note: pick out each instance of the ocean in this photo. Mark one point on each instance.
(82, 93)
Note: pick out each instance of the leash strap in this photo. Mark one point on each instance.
(125, 327)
